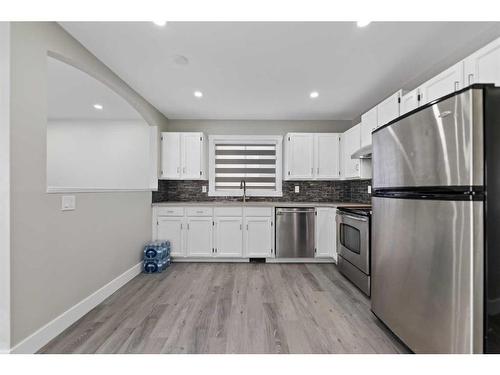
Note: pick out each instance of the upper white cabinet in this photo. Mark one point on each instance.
(368, 124)
(388, 110)
(409, 102)
(350, 143)
(310, 156)
(379, 115)
(325, 232)
(299, 158)
(443, 84)
(327, 156)
(183, 156)
(483, 66)
(353, 168)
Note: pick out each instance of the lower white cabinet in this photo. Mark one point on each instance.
(228, 237)
(259, 237)
(199, 236)
(172, 228)
(232, 232)
(325, 233)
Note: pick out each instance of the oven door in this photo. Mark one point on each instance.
(353, 240)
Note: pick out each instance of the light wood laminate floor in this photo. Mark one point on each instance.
(232, 308)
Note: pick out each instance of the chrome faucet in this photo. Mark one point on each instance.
(243, 185)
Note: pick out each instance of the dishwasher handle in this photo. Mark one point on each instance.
(281, 211)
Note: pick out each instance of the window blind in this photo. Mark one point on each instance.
(253, 163)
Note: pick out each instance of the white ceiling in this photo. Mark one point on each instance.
(73, 93)
(259, 70)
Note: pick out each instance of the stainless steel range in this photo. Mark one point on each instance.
(353, 245)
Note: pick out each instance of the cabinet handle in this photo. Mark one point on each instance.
(317, 170)
(471, 78)
(181, 226)
(241, 227)
(247, 226)
(456, 85)
(188, 226)
(312, 170)
(178, 169)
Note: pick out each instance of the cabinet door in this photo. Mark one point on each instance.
(171, 229)
(170, 155)
(259, 237)
(199, 236)
(300, 157)
(327, 155)
(483, 66)
(443, 84)
(368, 124)
(388, 110)
(409, 101)
(191, 156)
(325, 232)
(229, 237)
(350, 143)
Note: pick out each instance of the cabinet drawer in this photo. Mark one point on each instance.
(228, 211)
(258, 211)
(199, 211)
(170, 211)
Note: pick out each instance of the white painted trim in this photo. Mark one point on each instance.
(300, 260)
(209, 260)
(37, 340)
(5, 321)
(276, 140)
(55, 190)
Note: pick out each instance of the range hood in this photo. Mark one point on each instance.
(364, 152)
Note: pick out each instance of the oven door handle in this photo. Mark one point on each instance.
(357, 218)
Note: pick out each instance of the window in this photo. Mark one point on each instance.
(253, 159)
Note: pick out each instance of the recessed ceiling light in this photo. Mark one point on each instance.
(198, 94)
(314, 95)
(363, 23)
(180, 60)
(160, 23)
(98, 106)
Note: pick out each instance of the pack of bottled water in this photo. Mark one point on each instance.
(156, 256)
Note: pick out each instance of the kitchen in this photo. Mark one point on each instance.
(301, 216)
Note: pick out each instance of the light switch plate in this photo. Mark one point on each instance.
(369, 189)
(203, 189)
(68, 202)
(297, 188)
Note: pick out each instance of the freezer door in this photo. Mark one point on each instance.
(427, 272)
(441, 145)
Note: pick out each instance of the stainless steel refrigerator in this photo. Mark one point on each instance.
(436, 224)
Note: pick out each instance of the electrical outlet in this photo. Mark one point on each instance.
(68, 202)
(297, 188)
(369, 189)
(203, 189)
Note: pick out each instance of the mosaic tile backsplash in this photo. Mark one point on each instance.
(310, 191)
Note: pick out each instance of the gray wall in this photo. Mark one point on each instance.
(265, 127)
(4, 187)
(59, 258)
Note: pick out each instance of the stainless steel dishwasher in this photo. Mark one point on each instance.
(295, 232)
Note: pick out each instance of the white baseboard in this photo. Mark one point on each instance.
(37, 340)
(300, 260)
(210, 260)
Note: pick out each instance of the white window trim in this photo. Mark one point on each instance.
(249, 139)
